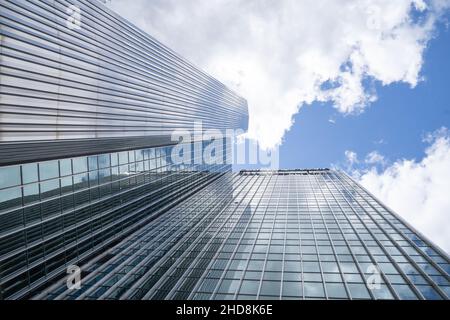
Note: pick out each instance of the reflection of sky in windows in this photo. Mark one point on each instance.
(319, 248)
(9, 176)
(47, 193)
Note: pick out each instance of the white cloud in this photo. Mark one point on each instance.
(375, 158)
(283, 54)
(418, 190)
(351, 157)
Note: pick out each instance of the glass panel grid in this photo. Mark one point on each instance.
(312, 234)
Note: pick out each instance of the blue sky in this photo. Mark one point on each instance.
(399, 119)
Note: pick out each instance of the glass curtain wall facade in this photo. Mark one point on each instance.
(304, 234)
(56, 213)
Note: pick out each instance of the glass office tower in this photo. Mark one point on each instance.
(303, 234)
(88, 107)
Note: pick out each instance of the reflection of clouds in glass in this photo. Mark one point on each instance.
(79, 165)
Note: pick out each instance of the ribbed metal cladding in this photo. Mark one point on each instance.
(106, 80)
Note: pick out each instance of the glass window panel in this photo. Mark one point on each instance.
(255, 265)
(388, 268)
(330, 267)
(308, 249)
(249, 287)
(358, 291)
(131, 156)
(80, 181)
(312, 277)
(440, 280)
(65, 167)
(445, 266)
(30, 193)
(10, 198)
(114, 159)
(270, 288)
(292, 276)
(292, 266)
(66, 185)
(314, 290)
(408, 268)
(123, 157)
(292, 289)
(50, 188)
(274, 266)
(152, 163)
(446, 289)
(397, 279)
(9, 177)
(332, 277)
(124, 170)
(115, 173)
(429, 269)
(382, 293)
(104, 175)
(405, 292)
(79, 165)
(311, 266)
(353, 277)
(229, 286)
(104, 161)
(252, 275)
(140, 155)
(48, 170)
(348, 267)
(93, 178)
(272, 276)
(30, 173)
(417, 279)
(271, 256)
(93, 165)
(238, 264)
(233, 274)
(336, 290)
(429, 293)
(208, 285)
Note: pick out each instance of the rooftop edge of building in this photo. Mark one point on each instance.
(286, 171)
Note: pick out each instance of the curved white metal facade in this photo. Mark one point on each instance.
(104, 79)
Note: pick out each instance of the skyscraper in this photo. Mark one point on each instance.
(303, 234)
(89, 107)
(88, 183)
